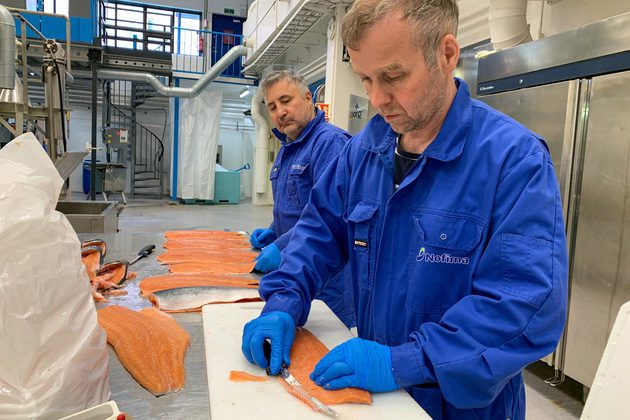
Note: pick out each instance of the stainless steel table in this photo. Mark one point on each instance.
(190, 403)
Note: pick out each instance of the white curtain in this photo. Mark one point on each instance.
(200, 119)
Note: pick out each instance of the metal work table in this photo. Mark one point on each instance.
(190, 403)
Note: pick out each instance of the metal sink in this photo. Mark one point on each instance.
(90, 216)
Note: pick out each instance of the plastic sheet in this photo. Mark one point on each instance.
(54, 359)
(200, 122)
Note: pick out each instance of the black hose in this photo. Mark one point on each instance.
(63, 114)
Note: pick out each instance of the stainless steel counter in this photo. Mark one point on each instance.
(190, 403)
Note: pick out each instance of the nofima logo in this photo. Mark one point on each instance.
(424, 256)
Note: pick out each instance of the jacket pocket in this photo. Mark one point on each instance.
(361, 221)
(440, 262)
(526, 263)
(298, 185)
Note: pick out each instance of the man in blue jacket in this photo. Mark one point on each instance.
(449, 216)
(309, 144)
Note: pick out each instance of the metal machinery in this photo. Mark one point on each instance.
(16, 112)
(574, 89)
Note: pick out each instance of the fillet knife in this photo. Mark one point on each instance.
(295, 384)
(143, 253)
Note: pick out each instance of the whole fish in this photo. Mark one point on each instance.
(191, 299)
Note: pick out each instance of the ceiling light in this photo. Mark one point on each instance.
(244, 93)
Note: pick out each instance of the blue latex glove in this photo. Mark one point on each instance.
(268, 259)
(356, 363)
(262, 237)
(276, 326)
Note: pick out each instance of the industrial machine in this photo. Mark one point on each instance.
(574, 89)
(47, 122)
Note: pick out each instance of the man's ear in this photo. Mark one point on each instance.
(309, 96)
(448, 52)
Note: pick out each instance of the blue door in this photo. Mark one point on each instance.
(227, 31)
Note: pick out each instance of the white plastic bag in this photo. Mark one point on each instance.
(53, 354)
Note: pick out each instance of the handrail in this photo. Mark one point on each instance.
(58, 15)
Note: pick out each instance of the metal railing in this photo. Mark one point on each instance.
(147, 167)
(195, 51)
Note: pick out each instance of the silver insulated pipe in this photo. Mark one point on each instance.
(214, 71)
(7, 49)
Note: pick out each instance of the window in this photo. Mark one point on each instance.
(148, 28)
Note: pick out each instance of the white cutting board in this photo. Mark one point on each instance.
(223, 328)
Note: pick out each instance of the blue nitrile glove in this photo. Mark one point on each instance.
(279, 328)
(357, 363)
(262, 237)
(268, 259)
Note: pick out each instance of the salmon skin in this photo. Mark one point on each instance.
(189, 299)
(149, 344)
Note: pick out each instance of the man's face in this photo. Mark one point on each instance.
(405, 92)
(289, 109)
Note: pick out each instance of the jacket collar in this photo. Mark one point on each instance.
(448, 144)
(319, 118)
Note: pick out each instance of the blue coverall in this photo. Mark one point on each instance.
(462, 270)
(297, 167)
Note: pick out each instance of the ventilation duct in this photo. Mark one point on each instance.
(508, 23)
(7, 49)
(214, 71)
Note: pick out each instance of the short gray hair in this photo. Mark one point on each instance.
(430, 21)
(289, 75)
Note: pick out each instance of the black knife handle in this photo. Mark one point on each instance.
(146, 250)
(267, 352)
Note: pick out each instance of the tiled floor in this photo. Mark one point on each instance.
(543, 401)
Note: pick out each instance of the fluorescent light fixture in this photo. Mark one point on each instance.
(244, 93)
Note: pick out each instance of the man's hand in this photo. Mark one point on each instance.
(262, 237)
(268, 259)
(276, 326)
(356, 363)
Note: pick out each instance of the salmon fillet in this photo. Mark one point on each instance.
(149, 344)
(198, 233)
(212, 267)
(177, 255)
(306, 352)
(173, 281)
(240, 376)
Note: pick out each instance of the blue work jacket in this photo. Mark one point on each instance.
(462, 271)
(297, 167)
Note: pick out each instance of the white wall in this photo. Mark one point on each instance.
(238, 149)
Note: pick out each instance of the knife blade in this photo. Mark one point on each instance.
(286, 376)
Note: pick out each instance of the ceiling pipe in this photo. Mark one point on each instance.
(7, 49)
(213, 72)
(508, 23)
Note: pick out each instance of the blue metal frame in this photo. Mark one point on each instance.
(175, 146)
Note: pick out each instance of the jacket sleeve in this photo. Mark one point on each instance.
(326, 150)
(317, 251)
(516, 310)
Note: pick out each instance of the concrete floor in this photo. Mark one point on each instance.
(152, 216)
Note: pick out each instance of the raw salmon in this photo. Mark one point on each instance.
(191, 299)
(177, 256)
(213, 267)
(240, 376)
(173, 281)
(199, 233)
(91, 257)
(306, 351)
(150, 345)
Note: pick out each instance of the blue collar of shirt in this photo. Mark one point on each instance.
(448, 144)
(319, 118)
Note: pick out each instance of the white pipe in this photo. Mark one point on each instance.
(508, 23)
(7, 49)
(212, 73)
(262, 144)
